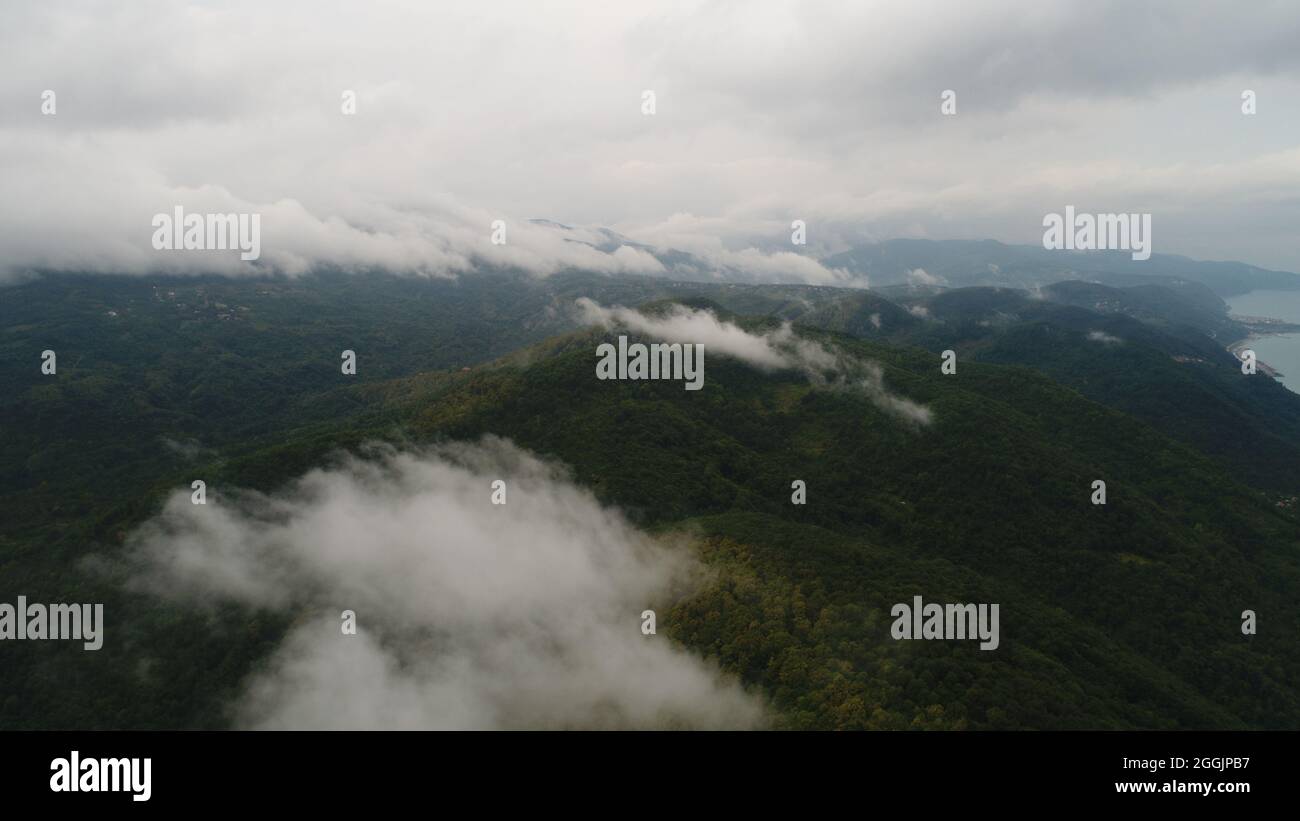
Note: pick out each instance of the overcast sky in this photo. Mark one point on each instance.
(765, 112)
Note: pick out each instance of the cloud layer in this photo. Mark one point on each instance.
(470, 614)
(779, 349)
(766, 113)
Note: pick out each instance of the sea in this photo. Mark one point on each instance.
(1283, 350)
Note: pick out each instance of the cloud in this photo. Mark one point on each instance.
(780, 349)
(470, 615)
(188, 448)
(429, 235)
(919, 276)
(744, 249)
(687, 325)
(766, 113)
(1104, 338)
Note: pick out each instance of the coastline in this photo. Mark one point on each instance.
(1242, 344)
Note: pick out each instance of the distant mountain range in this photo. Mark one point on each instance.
(963, 263)
(959, 263)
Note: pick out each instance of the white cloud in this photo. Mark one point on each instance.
(778, 349)
(471, 615)
(187, 448)
(1104, 338)
(690, 326)
(828, 112)
(919, 276)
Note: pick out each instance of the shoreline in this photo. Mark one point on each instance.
(1235, 348)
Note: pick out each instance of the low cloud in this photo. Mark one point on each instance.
(780, 349)
(425, 235)
(470, 615)
(744, 250)
(1104, 338)
(188, 449)
(919, 276)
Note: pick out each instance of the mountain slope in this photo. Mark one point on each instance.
(989, 503)
(1123, 615)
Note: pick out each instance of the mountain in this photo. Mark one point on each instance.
(961, 263)
(1175, 310)
(1123, 615)
(1118, 615)
(1144, 350)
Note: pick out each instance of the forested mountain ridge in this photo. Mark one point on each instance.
(1147, 353)
(1177, 529)
(1123, 615)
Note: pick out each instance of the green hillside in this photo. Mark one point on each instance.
(1123, 615)
(1148, 356)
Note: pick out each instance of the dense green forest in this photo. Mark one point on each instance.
(1123, 615)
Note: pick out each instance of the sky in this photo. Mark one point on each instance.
(764, 113)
